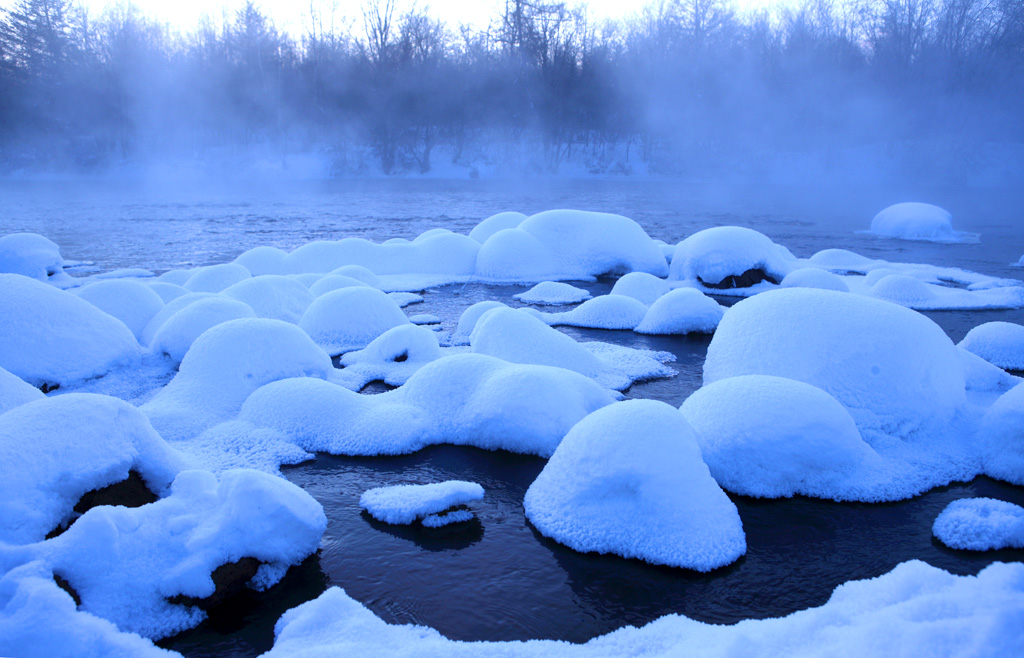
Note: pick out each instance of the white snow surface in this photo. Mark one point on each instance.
(441, 520)
(711, 255)
(463, 399)
(272, 296)
(54, 450)
(980, 524)
(392, 357)
(915, 609)
(224, 365)
(498, 222)
(49, 336)
(129, 300)
(167, 291)
(125, 562)
(331, 282)
(263, 260)
(350, 318)
(15, 392)
(1000, 437)
(602, 312)
(553, 293)
(772, 437)
(812, 277)
(681, 311)
(999, 343)
(918, 221)
(628, 479)
(468, 319)
(433, 252)
(641, 286)
(405, 503)
(31, 255)
(215, 278)
(176, 334)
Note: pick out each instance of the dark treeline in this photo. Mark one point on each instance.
(683, 86)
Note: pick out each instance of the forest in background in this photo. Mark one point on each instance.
(684, 87)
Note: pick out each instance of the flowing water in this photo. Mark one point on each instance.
(496, 578)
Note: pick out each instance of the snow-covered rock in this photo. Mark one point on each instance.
(439, 252)
(392, 357)
(129, 300)
(331, 282)
(502, 220)
(167, 291)
(553, 293)
(641, 286)
(730, 257)
(812, 277)
(49, 336)
(469, 318)
(405, 503)
(177, 333)
(224, 365)
(980, 524)
(772, 437)
(15, 392)
(999, 343)
(602, 312)
(464, 399)
(628, 479)
(1001, 437)
(263, 260)
(272, 296)
(350, 318)
(214, 278)
(918, 221)
(681, 311)
(54, 450)
(31, 255)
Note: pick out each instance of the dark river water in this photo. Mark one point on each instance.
(496, 578)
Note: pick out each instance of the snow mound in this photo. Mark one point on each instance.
(167, 291)
(31, 255)
(359, 273)
(469, 318)
(224, 365)
(602, 312)
(334, 282)
(125, 563)
(729, 257)
(38, 619)
(553, 293)
(772, 437)
(980, 524)
(433, 252)
(176, 335)
(918, 221)
(463, 399)
(488, 227)
(628, 479)
(49, 336)
(812, 277)
(168, 311)
(404, 503)
(272, 296)
(513, 254)
(641, 286)
(56, 449)
(15, 392)
(130, 301)
(895, 371)
(903, 290)
(392, 357)
(350, 318)
(681, 311)
(1001, 437)
(999, 343)
(263, 260)
(517, 336)
(916, 609)
(214, 278)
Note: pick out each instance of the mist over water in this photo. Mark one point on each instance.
(869, 90)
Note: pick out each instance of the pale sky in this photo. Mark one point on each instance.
(289, 15)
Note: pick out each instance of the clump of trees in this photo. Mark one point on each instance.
(684, 84)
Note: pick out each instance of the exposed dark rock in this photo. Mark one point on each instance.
(66, 586)
(228, 580)
(47, 387)
(130, 492)
(745, 280)
(404, 356)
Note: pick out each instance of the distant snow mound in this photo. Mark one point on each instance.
(128, 300)
(350, 318)
(999, 343)
(215, 278)
(31, 255)
(980, 524)
(918, 221)
(499, 222)
(405, 503)
(463, 399)
(812, 277)
(682, 311)
(553, 293)
(602, 312)
(433, 252)
(53, 450)
(772, 437)
(272, 296)
(727, 258)
(628, 479)
(48, 336)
